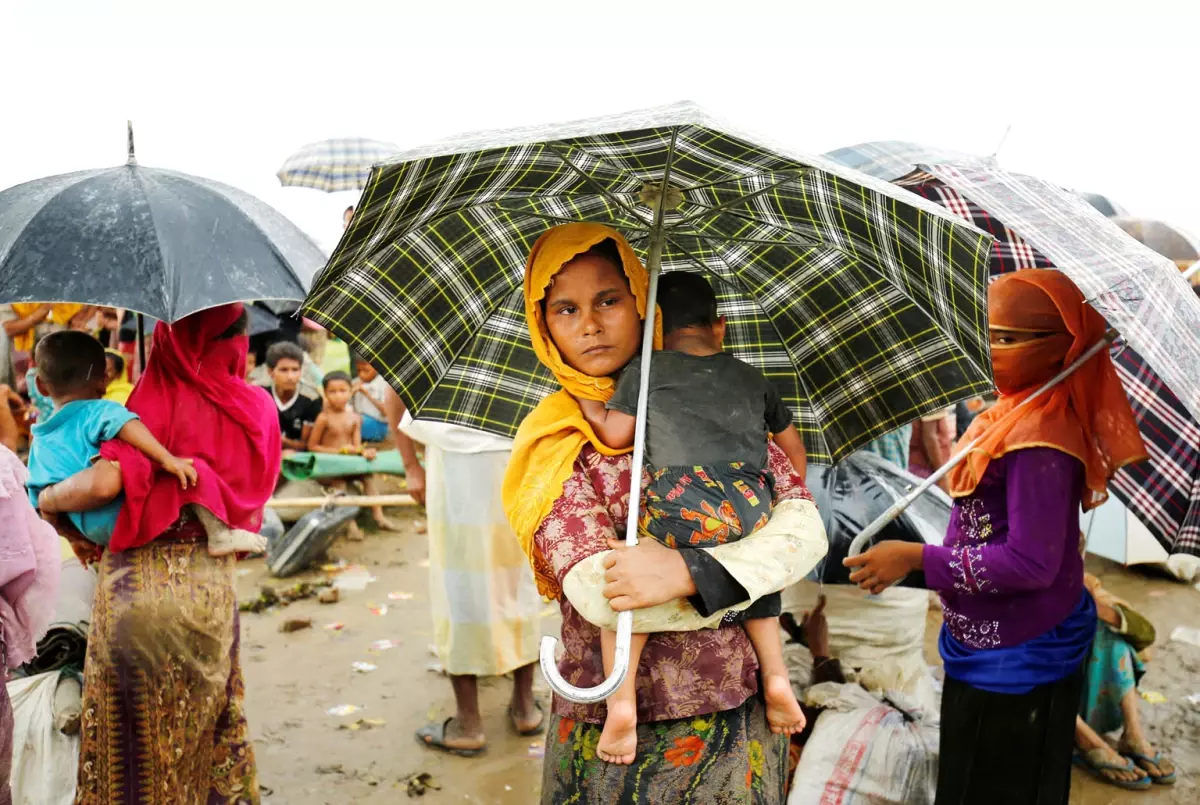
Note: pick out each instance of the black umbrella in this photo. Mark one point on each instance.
(859, 488)
(262, 321)
(154, 241)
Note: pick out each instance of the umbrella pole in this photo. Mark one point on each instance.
(1191, 271)
(896, 509)
(141, 342)
(624, 619)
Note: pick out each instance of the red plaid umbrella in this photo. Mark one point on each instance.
(1164, 493)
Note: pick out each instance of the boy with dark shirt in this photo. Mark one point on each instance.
(298, 411)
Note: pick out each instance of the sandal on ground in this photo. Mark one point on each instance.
(1145, 761)
(537, 730)
(434, 736)
(1095, 763)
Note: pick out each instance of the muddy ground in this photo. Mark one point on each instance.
(307, 756)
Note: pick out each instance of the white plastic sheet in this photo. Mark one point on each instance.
(45, 762)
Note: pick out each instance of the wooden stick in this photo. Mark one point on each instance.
(342, 500)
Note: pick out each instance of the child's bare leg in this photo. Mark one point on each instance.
(353, 532)
(223, 540)
(783, 711)
(381, 520)
(618, 740)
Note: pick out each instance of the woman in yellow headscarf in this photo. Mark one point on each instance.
(702, 728)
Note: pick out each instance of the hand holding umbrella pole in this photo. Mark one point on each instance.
(624, 619)
(861, 542)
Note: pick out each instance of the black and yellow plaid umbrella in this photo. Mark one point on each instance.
(865, 304)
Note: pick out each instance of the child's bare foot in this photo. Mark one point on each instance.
(618, 740)
(783, 711)
(354, 533)
(235, 540)
(384, 524)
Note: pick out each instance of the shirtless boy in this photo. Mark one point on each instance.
(338, 429)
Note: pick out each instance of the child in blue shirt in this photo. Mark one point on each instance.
(71, 372)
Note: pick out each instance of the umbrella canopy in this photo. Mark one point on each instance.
(852, 493)
(261, 321)
(1166, 239)
(1112, 531)
(158, 242)
(865, 305)
(1165, 492)
(335, 165)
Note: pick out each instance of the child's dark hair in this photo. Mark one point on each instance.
(284, 350)
(332, 376)
(687, 300)
(70, 361)
(118, 361)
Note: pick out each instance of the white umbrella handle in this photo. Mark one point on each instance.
(624, 619)
(861, 542)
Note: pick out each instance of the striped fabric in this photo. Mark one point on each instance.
(334, 165)
(879, 296)
(1164, 493)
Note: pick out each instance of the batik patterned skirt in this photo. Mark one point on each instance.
(163, 722)
(715, 759)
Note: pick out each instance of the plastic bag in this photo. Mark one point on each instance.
(45, 762)
(851, 494)
(867, 756)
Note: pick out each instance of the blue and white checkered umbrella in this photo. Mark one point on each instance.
(335, 165)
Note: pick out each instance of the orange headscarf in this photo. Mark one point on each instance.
(551, 436)
(1086, 416)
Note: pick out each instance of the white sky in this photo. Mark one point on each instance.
(1099, 98)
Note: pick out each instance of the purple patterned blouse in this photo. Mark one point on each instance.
(1011, 567)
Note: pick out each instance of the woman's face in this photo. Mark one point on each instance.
(592, 316)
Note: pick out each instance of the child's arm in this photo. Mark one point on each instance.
(359, 388)
(790, 443)
(356, 445)
(615, 428)
(138, 435)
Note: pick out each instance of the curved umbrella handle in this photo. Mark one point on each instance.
(606, 688)
(624, 619)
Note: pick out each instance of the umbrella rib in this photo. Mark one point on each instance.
(779, 335)
(596, 185)
(728, 180)
(723, 206)
(557, 219)
(962, 349)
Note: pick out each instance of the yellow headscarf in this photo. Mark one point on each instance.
(59, 314)
(551, 436)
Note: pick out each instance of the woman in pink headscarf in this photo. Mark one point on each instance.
(29, 570)
(163, 686)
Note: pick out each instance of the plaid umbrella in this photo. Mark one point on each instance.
(334, 165)
(1163, 493)
(864, 304)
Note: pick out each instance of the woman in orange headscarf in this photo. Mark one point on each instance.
(702, 728)
(1018, 622)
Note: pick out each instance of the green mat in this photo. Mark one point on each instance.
(304, 466)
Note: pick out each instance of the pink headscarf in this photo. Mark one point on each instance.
(194, 399)
(30, 564)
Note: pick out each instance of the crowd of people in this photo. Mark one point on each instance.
(149, 469)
